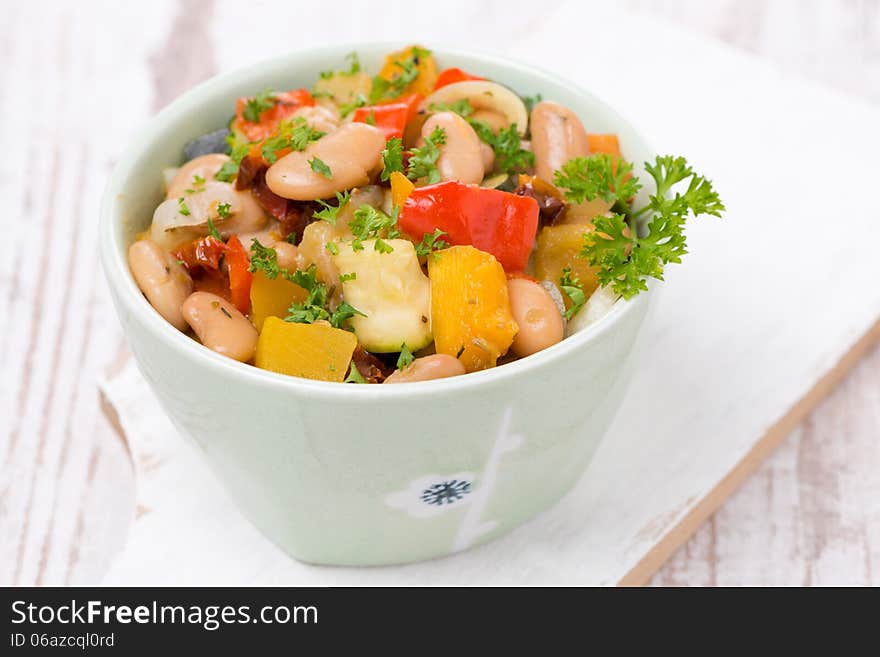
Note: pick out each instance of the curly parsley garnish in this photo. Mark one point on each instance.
(601, 175)
(423, 160)
(624, 259)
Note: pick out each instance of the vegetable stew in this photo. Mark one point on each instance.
(415, 224)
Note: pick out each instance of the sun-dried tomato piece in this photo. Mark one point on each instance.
(370, 367)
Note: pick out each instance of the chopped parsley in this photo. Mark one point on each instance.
(368, 222)
(392, 157)
(255, 106)
(348, 277)
(198, 185)
(318, 166)
(353, 68)
(347, 108)
(406, 358)
(264, 259)
(461, 107)
(212, 230)
(237, 152)
(331, 247)
(408, 71)
(331, 212)
(182, 207)
(314, 308)
(423, 160)
(431, 243)
(295, 135)
(571, 286)
(531, 101)
(510, 156)
(354, 375)
(223, 210)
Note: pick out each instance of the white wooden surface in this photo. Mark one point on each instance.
(72, 96)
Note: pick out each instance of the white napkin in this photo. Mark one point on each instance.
(767, 302)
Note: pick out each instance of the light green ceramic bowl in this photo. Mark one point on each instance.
(367, 475)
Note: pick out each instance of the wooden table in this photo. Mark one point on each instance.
(75, 80)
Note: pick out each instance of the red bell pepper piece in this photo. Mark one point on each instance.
(285, 103)
(452, 75)
(237, 264)
(493, 221)
(390, 117)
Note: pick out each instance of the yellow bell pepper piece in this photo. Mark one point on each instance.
(272, 297)
(311, 351)
(557, 248)
(470, 307)
(401, 188)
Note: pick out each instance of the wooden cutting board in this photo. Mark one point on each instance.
(773, 305)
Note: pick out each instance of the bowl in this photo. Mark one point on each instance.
(369, 475)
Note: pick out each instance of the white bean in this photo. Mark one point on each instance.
(162, 279)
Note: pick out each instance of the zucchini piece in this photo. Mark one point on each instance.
(213, 142)
(393, 293)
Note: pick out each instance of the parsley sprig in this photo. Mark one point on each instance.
(623, 258)
(600, 175)
(423, 160)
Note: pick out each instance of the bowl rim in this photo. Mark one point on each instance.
(130, 299)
